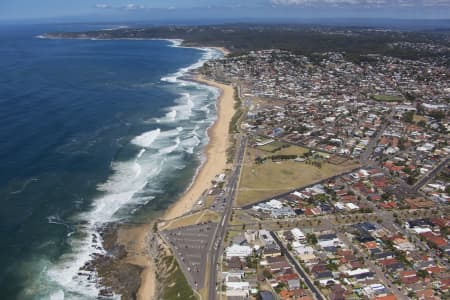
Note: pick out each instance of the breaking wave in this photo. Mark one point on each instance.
(179, 134)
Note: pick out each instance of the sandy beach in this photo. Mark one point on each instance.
(136, 242)
(225, 51)
(136, 239)
(215, 153)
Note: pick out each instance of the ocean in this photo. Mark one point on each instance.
(91, 132)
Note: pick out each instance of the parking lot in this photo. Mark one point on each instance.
(219, 203)
(190, 245)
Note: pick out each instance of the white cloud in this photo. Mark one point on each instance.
(324, 2)
(103, 6)
(132, 6)
(436, 2)
(362, 3)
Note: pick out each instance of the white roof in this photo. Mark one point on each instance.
(298, 194)
(357, 272)
(298, 234)
(238, 250)
(275, 203)
(238, 285)
(351, 206)
(420, 230)
(339, 205)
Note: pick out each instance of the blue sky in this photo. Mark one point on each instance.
(221, 9)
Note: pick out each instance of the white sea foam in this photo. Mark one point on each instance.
(208, 54)
(171, 115)
(115, 28)
(56, 219)
(175, 42)
(190, 144)
(141, 153)
(136, 182)
(171, 148)
(24, 186)
(58, 295)
(147, 138)
(119, 191)
(194, 131)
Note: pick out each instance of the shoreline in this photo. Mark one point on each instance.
(136, 239)
(175, 42)
(128, 266)
(215, 152)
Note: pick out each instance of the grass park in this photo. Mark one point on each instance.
(273, 177)
(418, 118)
(175, 284)
(272, 147)
(202, 216)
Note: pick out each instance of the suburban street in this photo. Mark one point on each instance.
(223, 205)
(374, 268)
(315, 291)
(421, 182)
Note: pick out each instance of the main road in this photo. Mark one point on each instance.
(215, 249)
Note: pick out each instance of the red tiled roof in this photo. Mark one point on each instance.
(445, 284)
(286, 277)
(375, 197)
(380, 183)
(370, 245)
(388, 205)
(388, 261)
(435, 270)
(348, 198)
(409, 280)
(437, 240)
(388, 297)
(341, 192)
(441, 222)
(425, 294)
(408, 273)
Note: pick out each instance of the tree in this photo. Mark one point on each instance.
(267, 274)
(437, 115)
(447, 189)
(289, 246)
(411, 180)
(332, 266)
(409, 96)
(422, 123)
(386, 196)
(422, 274)
(251, 262)
(311, 238)
(408, 117)
(411, 294)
